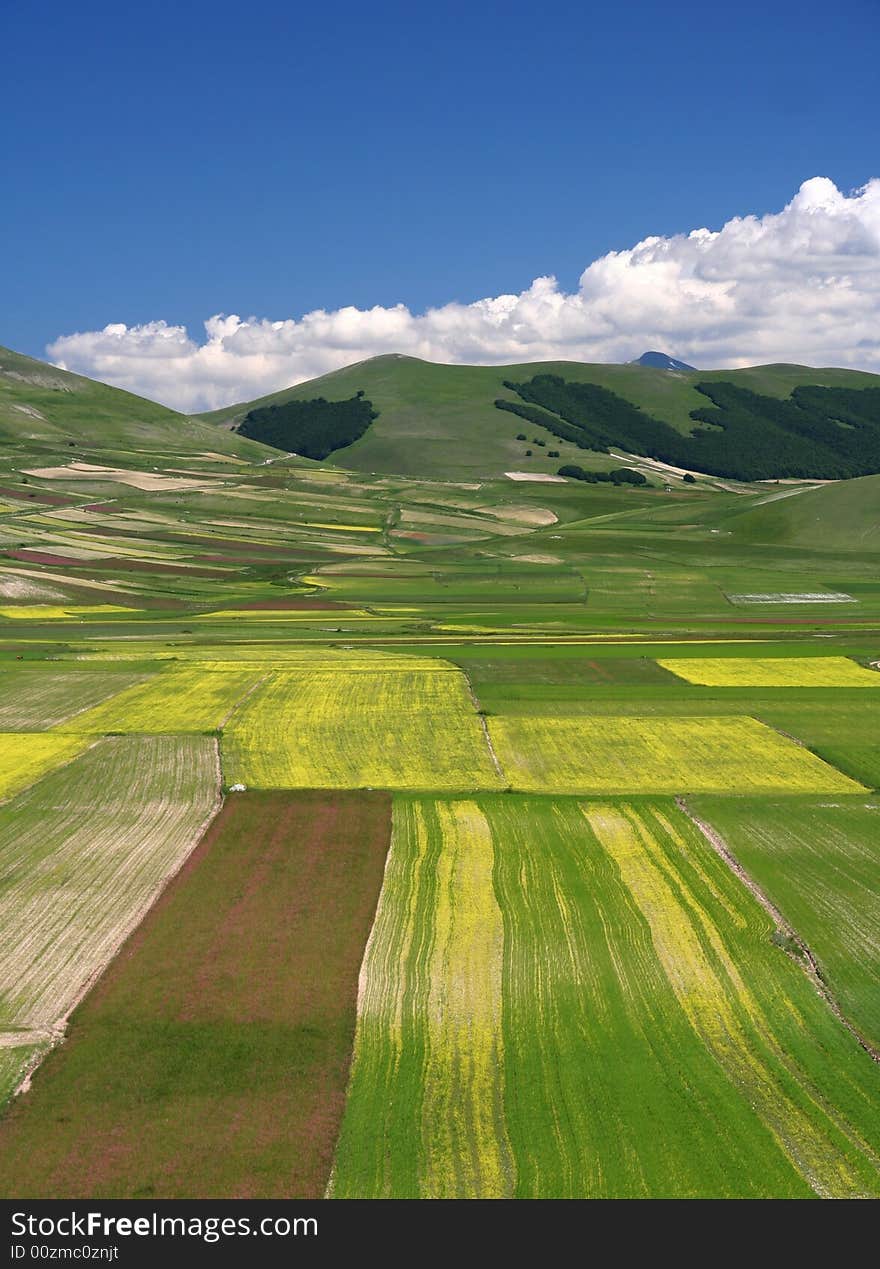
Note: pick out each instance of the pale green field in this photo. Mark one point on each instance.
(819, 861)
(83, 855)
(34, 699)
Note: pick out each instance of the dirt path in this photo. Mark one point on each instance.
(499, 770)
(804, 957)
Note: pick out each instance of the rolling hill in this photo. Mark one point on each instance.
(42, 407)
(441, 420)
(840, 516)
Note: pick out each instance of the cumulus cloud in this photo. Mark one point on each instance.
(799, 285)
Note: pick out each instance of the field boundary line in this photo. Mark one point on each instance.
(236, 705)
(57, 1030)
(52, 770)
(806, 960)
(361, 993)
(499, 770)
(143, 677)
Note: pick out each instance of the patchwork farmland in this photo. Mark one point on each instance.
(384, 835)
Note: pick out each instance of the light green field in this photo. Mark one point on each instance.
(348, 730)
(83, 855)
(579, 999)
(649, 755)
(819, 861)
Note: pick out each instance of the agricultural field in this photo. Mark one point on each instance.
(395, 729)
(547, 978)
(76, 882)
(819, 862)
(35, 699)
(220, 1073)
(25, 757)
(621, 741)
(185, 700)
(650, 755)
(773, 672)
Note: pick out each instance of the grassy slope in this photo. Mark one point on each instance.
(843, 515)
(41, 404)
(442, 419)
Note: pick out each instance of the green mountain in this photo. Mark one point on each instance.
(43, 408)
(442, 420)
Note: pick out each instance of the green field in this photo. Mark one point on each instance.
(818, 862)
(83, 854)
(545, 979)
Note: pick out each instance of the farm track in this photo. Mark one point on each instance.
(804, 958)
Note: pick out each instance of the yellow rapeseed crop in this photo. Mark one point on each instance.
(431, 982)
(771, 671)
(25, 756)
(53, 612)
(355, 729)
(657, 755)
(195, 699)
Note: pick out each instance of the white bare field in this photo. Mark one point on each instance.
(82, 857)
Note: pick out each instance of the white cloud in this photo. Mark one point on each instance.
(799, 285)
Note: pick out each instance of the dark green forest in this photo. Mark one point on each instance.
(311, 428)
(620, 475)
(817, 433)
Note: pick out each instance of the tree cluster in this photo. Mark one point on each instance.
(819, 433)
(311, 428)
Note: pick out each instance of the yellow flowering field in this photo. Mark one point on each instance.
(771, 671)
(431, 984)
(179, 700)
(26, 756)
(359, 728)
(54, 612)
(657, 755)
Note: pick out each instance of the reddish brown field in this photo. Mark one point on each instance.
(38, 495)
(46, 557)
(211, 1059)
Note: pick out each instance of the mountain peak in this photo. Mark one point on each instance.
(661, 361)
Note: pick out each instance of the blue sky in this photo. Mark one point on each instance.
(271, 159)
